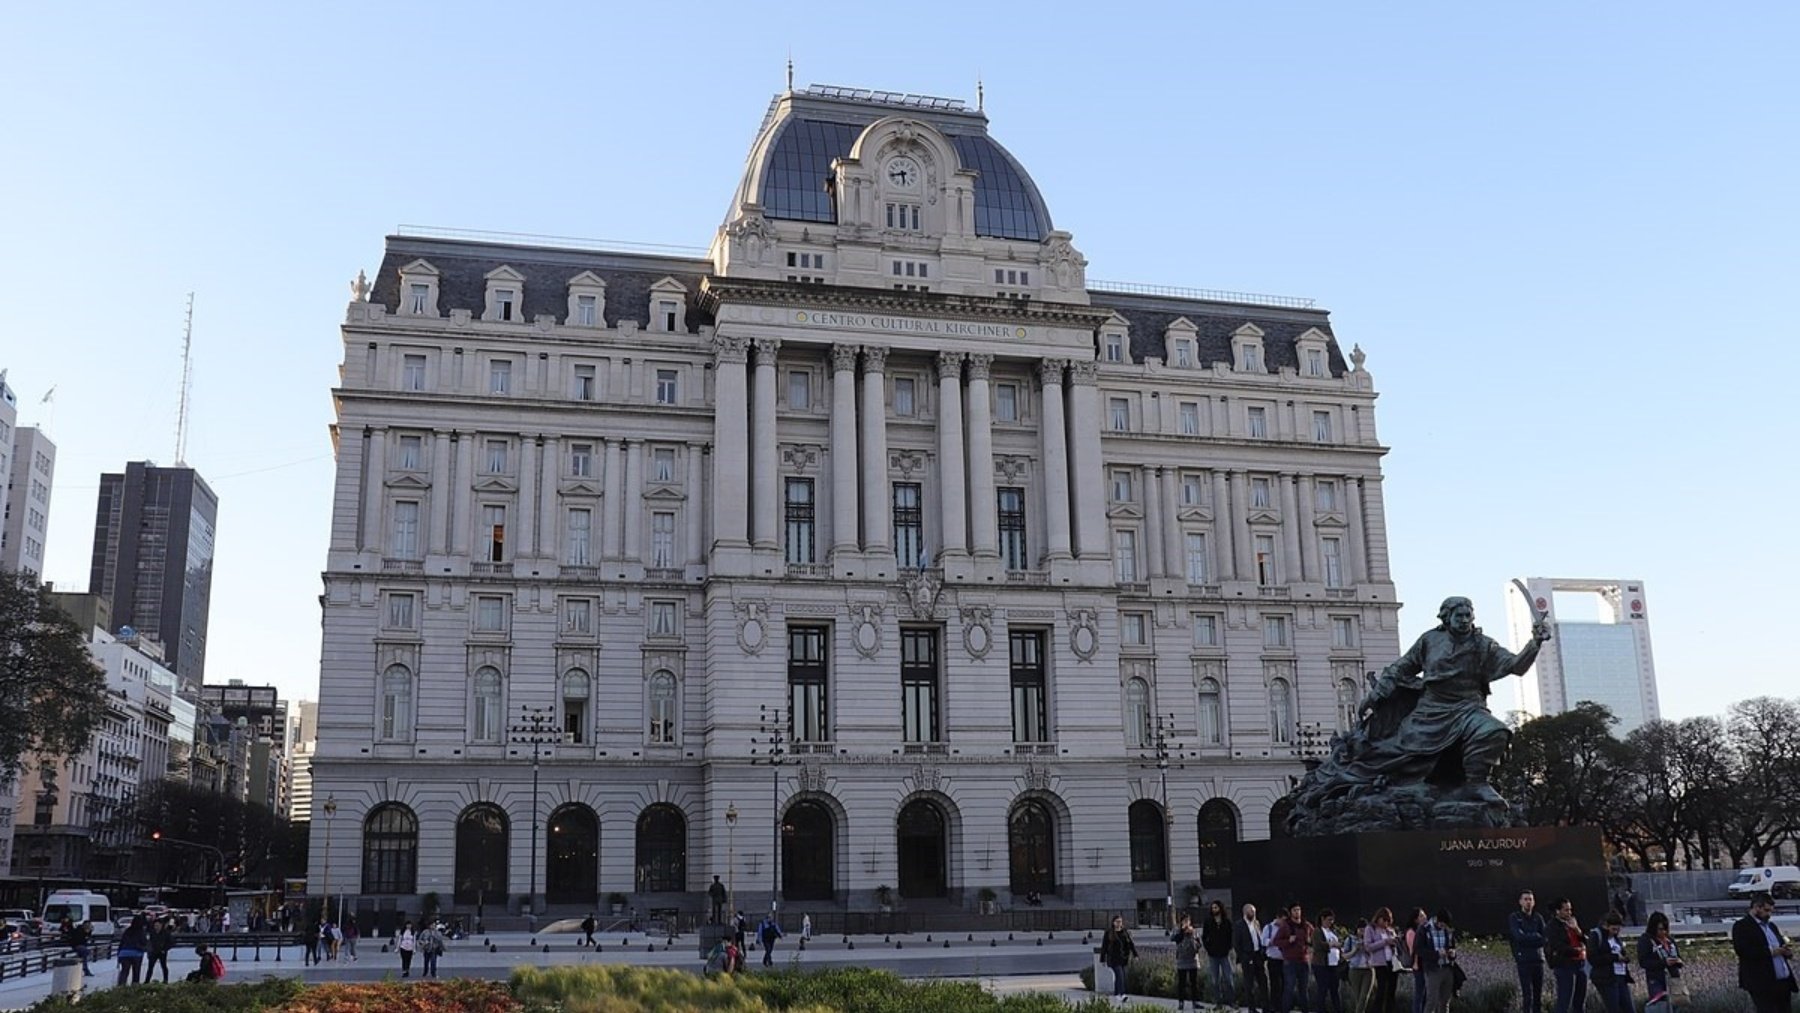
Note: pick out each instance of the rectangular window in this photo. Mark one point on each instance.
(1184, 353)
(1119, 414)
(499, 377)
(578, 616)
(587, 311)
(400, 611)
(1011, 505)
(1325, 496)
(1030, 711)
(807, 679)
(419, 297)
(919, 685)
(1265, 560)
(1259, 422)
(1253, 358)
(1332, 552)
(665, 619)
(581, 532)
(1315, 362)
(406, 529)
(904, 396)
(1121, 485)
(668, 309)
(1193, 490)
(909, 524)
(662, 539)
(665, 386)
(1275, 631)
(1006, 402)
(504, 309)
(412, 453)
(1343, 632)
(493, 526)
(490, 613)
(581, 460)
(1115, 348)
(587, 383)
(1134, 629)
(662, 464)
(1125, 568)
(412, 373)
(903, 216)
(496, 457)
(1321, 427)
(1199, 563)
(1262, 492)
(799, 505)
(799, 389)
(1189, 418)
(1206, 631)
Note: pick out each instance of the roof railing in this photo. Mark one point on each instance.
(533, 239)
(1292, 302)
(891, 98)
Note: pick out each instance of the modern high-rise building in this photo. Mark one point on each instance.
(263, 718)
(1606, 660)
(153, 557)
(25, 518)
(884, 477)
(303, 735)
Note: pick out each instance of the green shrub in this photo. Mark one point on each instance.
(1486, 997)
(181, 997)
(609, 988)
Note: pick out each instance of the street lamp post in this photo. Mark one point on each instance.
(774, 749)
(535, 728)
(330, 808)
(731, 858)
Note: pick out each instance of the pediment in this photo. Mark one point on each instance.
(668, 284)
(408, 482)
(579, 487)
(664, 493)
(1194, 513)
(1130, 510)
(1332, 520)
(419, 267)
(495, 483)
(1249, 330)
(587, 279)
(1263, 514)
(1116, 322)
(504, 273)
(1181, 327)
(1314, 335)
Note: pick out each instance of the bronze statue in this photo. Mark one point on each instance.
(1421, 754)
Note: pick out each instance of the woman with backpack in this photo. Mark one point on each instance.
(211, 967)
(1565, 950)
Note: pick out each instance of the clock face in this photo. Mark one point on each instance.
(903, 172)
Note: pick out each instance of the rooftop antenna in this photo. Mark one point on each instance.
(790, 71)
(980, 95)
(187, 381)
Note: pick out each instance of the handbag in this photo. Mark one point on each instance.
(1678, 992)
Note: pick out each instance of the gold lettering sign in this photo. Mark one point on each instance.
(906, 325)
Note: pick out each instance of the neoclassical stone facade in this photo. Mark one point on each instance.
(884, 465)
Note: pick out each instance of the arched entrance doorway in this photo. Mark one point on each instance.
(921, 848)
(572, 856)
(808, 846)
(1031, 847)
(661, 850)
(1218, 835)
(1149, 859)
(481, 855)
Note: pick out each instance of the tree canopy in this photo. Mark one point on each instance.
(52, 694)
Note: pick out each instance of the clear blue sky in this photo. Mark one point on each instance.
(1564, 234)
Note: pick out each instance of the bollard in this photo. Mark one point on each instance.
(66, 977)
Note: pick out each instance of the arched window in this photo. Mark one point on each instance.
(1278, 817)
(921, 848)
(572, 855)
(1281, 712)
(575, 692)
(486, 724)
(661, 850)
(1137, 713)
(396, 702)
(1212, 713)
(1031, 847)
(1149, 856)
(390, 849)
(1218, 833)
(481, 854)
(1349, 701)
(808, 852)
(662, 707)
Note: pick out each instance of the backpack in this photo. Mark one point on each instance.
(1402, 950)
(214, 967)
(1185, 947)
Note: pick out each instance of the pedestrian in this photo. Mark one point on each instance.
(1117, 951)
(76, 938)
(211, 967)
(1246, 941)
(1215, 938)
(1327, 964)
(1409, 955)
(766, 934)
(1362, 976)
(734, 957)
(1525, 931)
(1611, 963)
(716, 894)
(225, 920)
(1293, 938)
(717, 960)
(162, 942)
(805, 928)
(349, 933)
(431, 947)
(588, 925)
(1565, 950)
(1378, 951)
(134, 942)
(1272, 966)
(740, 926)
(1765, 958)
(406, 943)
(1661, 960)
(1435, 951)
(315, 933)
(1187, 962)
(334, 937)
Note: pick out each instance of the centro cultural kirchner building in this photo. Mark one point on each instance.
(884, 462)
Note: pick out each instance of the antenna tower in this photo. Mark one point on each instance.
(187, 382)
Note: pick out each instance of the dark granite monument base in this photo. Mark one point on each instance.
(1475, 874)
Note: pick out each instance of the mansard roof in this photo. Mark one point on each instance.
(1215, 323)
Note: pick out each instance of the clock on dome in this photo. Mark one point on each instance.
(904, 173)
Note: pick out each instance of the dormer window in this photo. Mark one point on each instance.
(505, 295)
(1113, 348)
(1184, 354)
(1311, 348)
(587, 311)
(506, 305)
(1315, 362)
(668, 307)
(666, 313)
(1247, 344)
(587, 300)
(419, 289)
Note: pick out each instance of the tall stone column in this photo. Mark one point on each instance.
(463, 493)
(763, 450)
(984, 518)
(1311, 569)
(1240, 526)
(951, 501)
(526, 547)
(1290, 531)
(549, 473)
(692, 505)
(1175, 547)
(634, 501)
(1056, 460)
(875, 495)
(1227, 535)
(374, 533)
(730, 516)
(614, 491)
(1353, 518)
(843, 449)
(442, 486)
(1085, 465)
(1154, 563)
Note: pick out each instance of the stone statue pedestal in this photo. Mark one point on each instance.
(1374, 809)
(1476, 874)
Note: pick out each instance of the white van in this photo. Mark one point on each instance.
(1775, 880)
(78, 906)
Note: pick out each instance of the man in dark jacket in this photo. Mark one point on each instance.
(1216, 939)
(1435, 945)
(1246, 940)
(1765, 958)
(1293, 937)
(162, 940)
(1525, 930)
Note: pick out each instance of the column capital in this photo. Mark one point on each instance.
(766, 349)
(949, 365)
(980, 365)
(1050, 371)
(1084, 374)
(730, 349)
(874, 358)
(843, 358)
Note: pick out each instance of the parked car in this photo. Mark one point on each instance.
(23, 919)
(79, 906)
(1775, 880)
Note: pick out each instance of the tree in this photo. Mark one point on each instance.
(52, 694)
(1762, 740)
(1567, 769)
